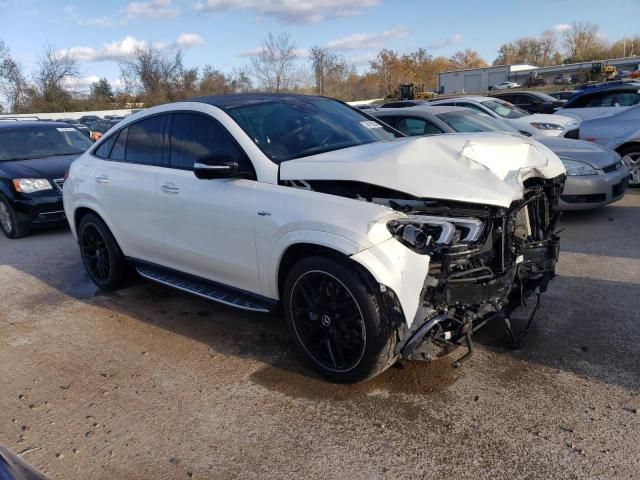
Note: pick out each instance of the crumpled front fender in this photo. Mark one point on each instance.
(400, 269)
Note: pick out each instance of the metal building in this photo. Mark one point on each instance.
(477, 80)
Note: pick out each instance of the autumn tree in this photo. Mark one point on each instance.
(467, 58)
(274, 65)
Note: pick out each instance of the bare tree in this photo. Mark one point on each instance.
(329, 70)
(274, 66)
(582, 42)
(155, 75)
(54, 74)
(13, 82)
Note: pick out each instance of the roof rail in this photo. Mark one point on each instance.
(21, 118)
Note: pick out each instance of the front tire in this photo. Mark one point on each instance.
(101, 254)
(9, 221)
(338, 324)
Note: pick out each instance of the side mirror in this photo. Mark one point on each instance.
(218, 166)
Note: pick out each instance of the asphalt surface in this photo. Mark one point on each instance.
(152, 383)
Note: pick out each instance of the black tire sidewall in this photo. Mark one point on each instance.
(18, 230)
(117, 265)
(378, 333)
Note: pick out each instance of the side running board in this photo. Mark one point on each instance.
(203, 288)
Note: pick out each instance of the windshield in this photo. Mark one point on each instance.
(41, 141)
(290, 128)
(472, 122)
(504, 109)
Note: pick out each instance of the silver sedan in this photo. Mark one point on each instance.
(620, 132)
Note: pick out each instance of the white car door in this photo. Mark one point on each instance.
(124, 183)
(208, 224)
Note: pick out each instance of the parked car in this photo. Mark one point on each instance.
(363, 238)
(33, 159)
(602, 100)
(404, 103)
(595, 175)
(87, 119)
(506, 85)
(620, 132)
(535, 82)
(83, 128)
(562, 79)
(538, 124)
(562, 94)
(97, 129)
(532, 102)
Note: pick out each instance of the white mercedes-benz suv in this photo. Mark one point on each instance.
(376, 247)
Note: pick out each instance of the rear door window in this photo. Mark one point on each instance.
(145, 141)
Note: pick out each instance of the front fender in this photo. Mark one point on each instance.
(295, 237)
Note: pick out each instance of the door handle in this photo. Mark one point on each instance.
(102, 179)
(170, 188)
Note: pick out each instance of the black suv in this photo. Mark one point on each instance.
(532, 102)
(34, 157)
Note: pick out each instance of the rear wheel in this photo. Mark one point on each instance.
(9, 221)
(338, 324)
(101, 254)
(631, 157)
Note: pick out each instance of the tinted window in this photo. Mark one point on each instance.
(145, 141)
(414, 126)
(504, 109)
(119, 148)
(299, 126)
(628, 99)
(197, 137)
(105, 147)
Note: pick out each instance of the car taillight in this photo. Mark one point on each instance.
(66, 174)
(590, 139)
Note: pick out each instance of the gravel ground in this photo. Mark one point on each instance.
(152, 383)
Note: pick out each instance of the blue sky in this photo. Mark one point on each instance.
(222, 32)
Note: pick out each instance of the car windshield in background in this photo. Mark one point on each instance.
(504, 109)
(546, 98)
(39, 142)
(295, 128)
(472, 122)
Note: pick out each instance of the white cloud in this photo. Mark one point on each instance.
(151, 9)
(560, 28)
(81, 83)
(452, 40)
(291, 11)
(364, 59)
(362, 41)
(126, 47)
(189, 40)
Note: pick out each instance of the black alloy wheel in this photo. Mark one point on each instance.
(328, 321)
(95, 254)
(100, 253)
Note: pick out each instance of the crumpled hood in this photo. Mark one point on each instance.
(586, 152)
(483, 168)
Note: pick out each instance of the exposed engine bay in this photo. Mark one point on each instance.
(485, 261)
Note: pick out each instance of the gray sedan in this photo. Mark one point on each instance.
(596, 175)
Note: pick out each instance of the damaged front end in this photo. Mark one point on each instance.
(485, 262)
